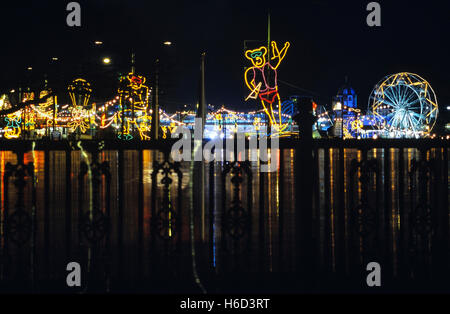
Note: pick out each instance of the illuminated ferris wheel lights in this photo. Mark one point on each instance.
(405, 103)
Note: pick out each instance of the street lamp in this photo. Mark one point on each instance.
(98, 42)
(155, 103)
(106, 60)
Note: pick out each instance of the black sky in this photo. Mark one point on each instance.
(329, 40)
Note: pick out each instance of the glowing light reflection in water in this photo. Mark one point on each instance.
(272, 197)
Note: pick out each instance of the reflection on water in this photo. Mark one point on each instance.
(270, 245)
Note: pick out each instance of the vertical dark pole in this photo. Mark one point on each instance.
(34, 223)
(303, 204)
(262, 236)
(140, 213)
(223, 243)
(268, 73)
(121, 209)
(317, 204)
(55, 100)
(387, 209)
(68, 202)
(268, 36)
(20, 275)
(81, 175)
(47, 210)
(201, 110)
(212, 214)
(108, 234)
(155, 113)
(327, 209)
(341, 256)
(445, 209)
(401, 202)
(22, 125)
(440, 218)
(4, 267)
(122, 103)
(281, 209)
(423, 183)
(153, 218)
(199, 170)
(132, 104)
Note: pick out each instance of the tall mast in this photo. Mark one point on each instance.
(201, 110)
(268, 37)
(268, 61)
(132, 62)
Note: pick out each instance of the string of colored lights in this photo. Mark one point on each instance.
(129, 113)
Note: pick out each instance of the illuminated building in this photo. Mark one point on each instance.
(344, 109)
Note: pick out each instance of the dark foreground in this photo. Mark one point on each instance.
(136, 222)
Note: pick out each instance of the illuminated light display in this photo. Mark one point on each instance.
(406, 105)
(49, 101)
(78, 122)
(347, 135)
(23, 119)
(39, 113)
(80, 91)
(357, 125)
(254, 93)
(4, 104)
(165, 131)
(352, 127)
(29, 121)
(133, 106)
(257, 123)
(81, 115)
(287, 112)
(261, 79)
(12, 129)
(81, 111)
(222, 122)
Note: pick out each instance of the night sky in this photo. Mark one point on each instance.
(329, 40)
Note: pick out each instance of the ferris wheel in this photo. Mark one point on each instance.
(406, 105)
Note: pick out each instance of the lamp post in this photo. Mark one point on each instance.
(155, 102)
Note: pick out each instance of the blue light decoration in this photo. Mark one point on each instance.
(345, 113)
(324, 121)
(362, 126)
(287, 112)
